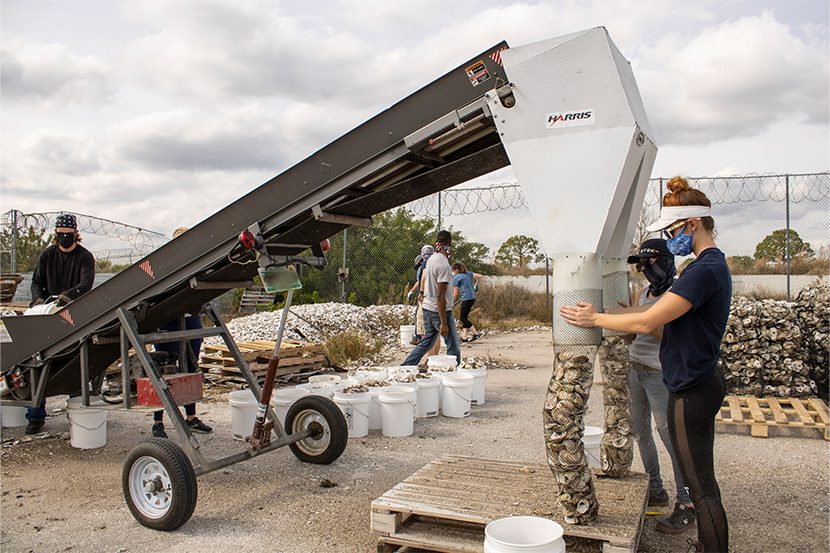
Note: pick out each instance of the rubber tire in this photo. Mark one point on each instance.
(338, 429)
(182, 479)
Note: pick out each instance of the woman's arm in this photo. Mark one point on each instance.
(668, 308)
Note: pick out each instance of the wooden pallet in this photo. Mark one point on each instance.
(806, 417)
(295, 356)
(445, 505)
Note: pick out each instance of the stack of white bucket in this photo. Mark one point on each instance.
(392, 409)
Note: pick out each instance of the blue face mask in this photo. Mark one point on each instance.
(681, 244)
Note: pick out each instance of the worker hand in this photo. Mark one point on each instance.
(582, 314)
(63, 299)
(36, 301)
(445, 330)
(409, 296)
(622, 303)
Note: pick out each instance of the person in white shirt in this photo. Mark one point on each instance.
(437, 303)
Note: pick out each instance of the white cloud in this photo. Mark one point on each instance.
(51, 75)
(733, 79)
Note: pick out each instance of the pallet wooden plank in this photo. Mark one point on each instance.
(437, 536)
(735, 409)
(755, 410)
(777, 411)
(820, 409)
(802, 413)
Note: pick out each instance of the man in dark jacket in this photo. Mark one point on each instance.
(65, 270)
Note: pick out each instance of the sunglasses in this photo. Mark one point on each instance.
(668, 233)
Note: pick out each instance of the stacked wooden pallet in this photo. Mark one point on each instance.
(295, 357)
(806, 417)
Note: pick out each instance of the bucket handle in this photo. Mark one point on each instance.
(69, 418)
(459, 395)
(353, 406)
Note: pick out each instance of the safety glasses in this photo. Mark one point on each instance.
(668, 233)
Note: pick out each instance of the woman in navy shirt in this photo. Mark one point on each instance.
(693, 315)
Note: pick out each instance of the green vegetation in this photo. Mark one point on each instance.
(349, 346)
(29, 245)
(773, 246)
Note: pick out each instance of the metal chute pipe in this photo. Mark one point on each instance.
(577, 277)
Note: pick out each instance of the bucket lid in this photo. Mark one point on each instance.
(442, 361)
(324, 378)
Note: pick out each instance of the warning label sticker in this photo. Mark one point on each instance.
(5, 337)
(477, 73)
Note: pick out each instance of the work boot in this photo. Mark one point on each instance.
(34, 427)
(158, 430)
(682, 517)
(198, 426)
(658, 498)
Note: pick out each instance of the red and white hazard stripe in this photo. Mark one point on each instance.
(67, 316)
(147, 268)
(496, 56)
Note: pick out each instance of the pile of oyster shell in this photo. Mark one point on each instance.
(764, 350)
(812, 307)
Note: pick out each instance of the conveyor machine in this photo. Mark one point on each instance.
(565, 112)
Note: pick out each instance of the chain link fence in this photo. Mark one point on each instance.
(773, 228)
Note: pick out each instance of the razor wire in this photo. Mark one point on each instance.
(804, 187)
(142, 240)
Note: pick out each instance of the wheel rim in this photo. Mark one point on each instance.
(150, 487)
(311, 419)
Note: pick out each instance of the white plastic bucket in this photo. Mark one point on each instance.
(13, 415)
(283, 399)
(479, 381)
(325, 389)
(397, 411)
(375, 422)
(325, 379)
(355, 408)
(442, 362)
(407, 334)
(243, 413)
(363, 375)
(87, 425)
(429, 394)
(591, 439)
(456, 393)
(523, 535)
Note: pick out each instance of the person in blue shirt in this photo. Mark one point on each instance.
(464, 284)
(693, 315)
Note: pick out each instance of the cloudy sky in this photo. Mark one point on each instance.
(158, 113)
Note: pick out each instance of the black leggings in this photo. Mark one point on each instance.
(466, 306)
(691, 415)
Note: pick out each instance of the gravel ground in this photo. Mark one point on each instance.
(56, 498)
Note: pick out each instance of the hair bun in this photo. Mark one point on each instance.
(677, 184)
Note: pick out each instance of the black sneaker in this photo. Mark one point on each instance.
(158, 430)
(682, 517)
(658, 498)
(198, 426)
(34, 427)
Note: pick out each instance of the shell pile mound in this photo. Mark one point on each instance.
(763, 350)
(565, 406)
(316, 322)
(812, 307)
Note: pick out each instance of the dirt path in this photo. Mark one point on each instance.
(56, 498)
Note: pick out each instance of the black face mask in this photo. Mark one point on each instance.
(660, 274)
(65, 239)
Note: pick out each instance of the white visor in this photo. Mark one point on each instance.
(669, 215)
